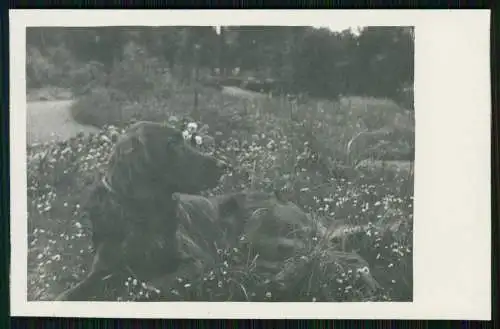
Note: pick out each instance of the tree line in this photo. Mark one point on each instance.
(377, 61)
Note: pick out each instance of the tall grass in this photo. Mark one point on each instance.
(268, 153)
(298, 147)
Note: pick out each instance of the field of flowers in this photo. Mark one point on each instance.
(271, 147)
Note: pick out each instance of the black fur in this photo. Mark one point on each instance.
(131, 209)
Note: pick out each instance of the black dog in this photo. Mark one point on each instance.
(133, 216)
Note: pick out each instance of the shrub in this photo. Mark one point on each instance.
(137, 87)
(100, 107)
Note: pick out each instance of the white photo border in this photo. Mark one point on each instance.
(452, 245)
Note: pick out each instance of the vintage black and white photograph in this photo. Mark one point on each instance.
(220, 163)
(243, 159)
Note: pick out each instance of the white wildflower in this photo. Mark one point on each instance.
(186, 135)
(192, 127)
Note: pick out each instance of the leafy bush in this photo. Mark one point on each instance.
(99, 107)
(136, 88)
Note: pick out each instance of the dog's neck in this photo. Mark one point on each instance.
(167, 203)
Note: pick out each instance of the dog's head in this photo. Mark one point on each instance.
(180, 166)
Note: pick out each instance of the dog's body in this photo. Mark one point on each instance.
(133, 216)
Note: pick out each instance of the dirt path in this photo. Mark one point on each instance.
(49, 121)
(52, 121)
(243, 93)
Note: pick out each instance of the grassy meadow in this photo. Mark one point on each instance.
(304, 146)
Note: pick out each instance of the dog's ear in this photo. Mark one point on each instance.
(163, 141)
(172, 138)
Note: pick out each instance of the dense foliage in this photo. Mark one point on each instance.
(376, 62)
